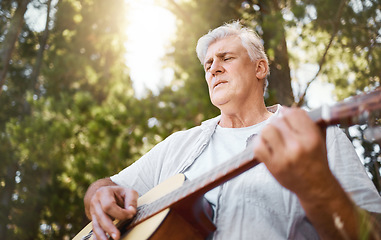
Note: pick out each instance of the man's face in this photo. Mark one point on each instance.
(230, 74)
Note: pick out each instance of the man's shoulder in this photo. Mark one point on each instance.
(207, 127)
(204, 130)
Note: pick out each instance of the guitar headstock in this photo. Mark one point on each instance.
(361, 109)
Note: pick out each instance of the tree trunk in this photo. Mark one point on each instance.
(10, 39)
(275, 40)
(40, 53)
(280, 78)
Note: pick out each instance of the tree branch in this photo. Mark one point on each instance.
(323, 58)
(178, 9)
(40, 53)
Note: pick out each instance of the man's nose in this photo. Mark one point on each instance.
(216, 68)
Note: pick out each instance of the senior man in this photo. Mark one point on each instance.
(308, 187)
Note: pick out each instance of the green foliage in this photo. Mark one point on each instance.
(62, 147)
(81, 121)
(83, 124)
(88, 45)
(351, 62)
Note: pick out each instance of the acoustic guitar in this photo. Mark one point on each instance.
(180, 203)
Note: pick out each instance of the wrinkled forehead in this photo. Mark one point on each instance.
(223, 45)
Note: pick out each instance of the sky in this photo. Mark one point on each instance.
(149, 37)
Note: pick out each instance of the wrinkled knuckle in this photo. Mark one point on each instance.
(134, 201)
(132, 193)
(130, 215)
(107, 207)
(297, 150)
(99, 192)
(92, 209)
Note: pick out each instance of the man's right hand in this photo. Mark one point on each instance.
(104, 202)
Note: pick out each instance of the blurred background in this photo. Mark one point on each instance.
(87, 87)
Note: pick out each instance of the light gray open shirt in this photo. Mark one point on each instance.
(253, 205)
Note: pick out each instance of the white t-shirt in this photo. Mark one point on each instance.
(224, 144)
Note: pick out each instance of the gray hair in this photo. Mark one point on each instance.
(249, 38)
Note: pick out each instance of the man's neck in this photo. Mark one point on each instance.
(244, 118)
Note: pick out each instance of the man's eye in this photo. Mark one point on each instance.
(228, 58)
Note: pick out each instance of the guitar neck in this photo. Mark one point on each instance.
(200, 185)
(347, 113)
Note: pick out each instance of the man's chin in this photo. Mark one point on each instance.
(219, 102)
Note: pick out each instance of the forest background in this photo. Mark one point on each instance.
(69, 113)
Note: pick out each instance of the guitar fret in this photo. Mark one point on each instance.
(140, 213)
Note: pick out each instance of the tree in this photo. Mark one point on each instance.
(10, 38)
(12, 13)
(57, 140)
(42, 46)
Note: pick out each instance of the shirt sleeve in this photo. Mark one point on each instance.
(143, 174)
(350, 172)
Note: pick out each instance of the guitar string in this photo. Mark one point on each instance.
(189, 187)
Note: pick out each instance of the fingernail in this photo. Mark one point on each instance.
(113, 235)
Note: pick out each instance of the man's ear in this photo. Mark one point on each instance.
(262, 69)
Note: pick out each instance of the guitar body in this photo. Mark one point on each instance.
(188, 220)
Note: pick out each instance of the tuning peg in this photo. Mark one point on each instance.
(372, 134)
